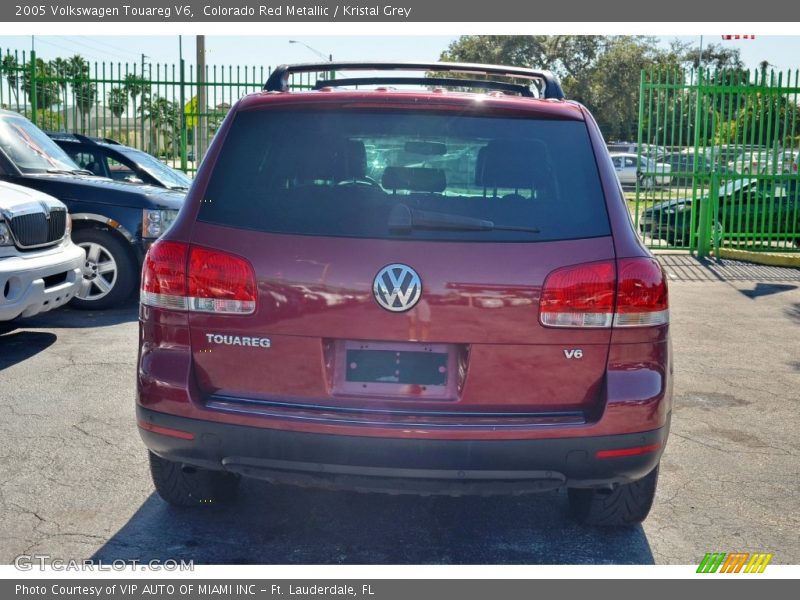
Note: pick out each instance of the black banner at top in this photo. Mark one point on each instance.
(741, 11)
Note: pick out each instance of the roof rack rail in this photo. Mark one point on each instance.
(278, 80)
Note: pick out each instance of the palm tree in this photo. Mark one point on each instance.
(83, 90)
(85, 95)
(134, 85)
(164, 116)
(117, 101)
(46, 85)
(10, 68)
(60, 68)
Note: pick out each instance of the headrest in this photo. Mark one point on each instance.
(415, 179)
(509, 164)
(336, 160)
(350, 160)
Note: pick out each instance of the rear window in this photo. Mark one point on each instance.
(461, 178)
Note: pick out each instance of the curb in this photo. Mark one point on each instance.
(762, 258)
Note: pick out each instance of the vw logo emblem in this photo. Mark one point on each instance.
(397, 287)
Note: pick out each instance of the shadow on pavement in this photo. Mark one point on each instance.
(767, 289)
(18, 346)
(70, 318)
(793, 312)
(280, 525)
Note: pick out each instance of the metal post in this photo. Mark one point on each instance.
(182, 107)
(640, 139)
(33, 85)
(714, 211)
(702, 242)
(142, 145)
(200, 138)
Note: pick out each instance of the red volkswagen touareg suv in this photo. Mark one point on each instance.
(432, 288)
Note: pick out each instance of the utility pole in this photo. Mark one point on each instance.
(700, 61)
(182, 104)
(141, 109)
(200, 141)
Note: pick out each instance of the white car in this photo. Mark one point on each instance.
(40, 267)
(766, 162)
(630, 168)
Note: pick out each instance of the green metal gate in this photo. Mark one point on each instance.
(168, 110)
(718, 161)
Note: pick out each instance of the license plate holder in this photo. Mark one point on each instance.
(388, 369)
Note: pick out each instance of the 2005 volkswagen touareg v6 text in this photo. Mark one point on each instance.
(412, 289)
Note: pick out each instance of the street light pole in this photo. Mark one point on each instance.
(328, 58)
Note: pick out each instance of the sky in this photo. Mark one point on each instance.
(783, 52)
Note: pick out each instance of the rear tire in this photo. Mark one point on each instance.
(189, 486)
(626, 504)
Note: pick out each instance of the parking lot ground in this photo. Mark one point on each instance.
(74, 482)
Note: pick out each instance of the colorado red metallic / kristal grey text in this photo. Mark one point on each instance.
(316, 10)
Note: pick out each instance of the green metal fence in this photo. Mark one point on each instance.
(169, 110)
(718, 155)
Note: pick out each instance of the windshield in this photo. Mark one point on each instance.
(165, 175)
(734, 186)
(342, 173)
(30, 149)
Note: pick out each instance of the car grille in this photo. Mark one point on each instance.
(36, 229)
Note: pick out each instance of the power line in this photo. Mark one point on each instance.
(49, 43)
(93, 49)
(96, 40)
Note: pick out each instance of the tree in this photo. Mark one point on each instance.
(612, 87)
(10, 68)
(117, 101)
(715, 56)
(134, 85)
(77, 67)
(61, 69)
(601, 72)
(45, 86)
(164, 116)
(84, 91)
(768, 119)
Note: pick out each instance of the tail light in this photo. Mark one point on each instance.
(178, 276)
(629, 292)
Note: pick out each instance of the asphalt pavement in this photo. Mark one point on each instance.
(74, 482)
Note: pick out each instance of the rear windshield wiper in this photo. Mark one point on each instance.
(404, 219)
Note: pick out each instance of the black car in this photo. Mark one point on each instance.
(107, 158)
(113, 221)
(746, 208)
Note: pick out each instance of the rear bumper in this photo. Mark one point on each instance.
(401, 465)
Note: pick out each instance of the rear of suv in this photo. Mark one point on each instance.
(388, 289)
